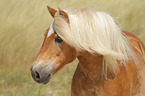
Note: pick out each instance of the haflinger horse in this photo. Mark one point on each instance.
(111, 61)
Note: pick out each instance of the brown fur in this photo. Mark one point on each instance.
(88, 79)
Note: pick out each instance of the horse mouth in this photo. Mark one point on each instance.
(41, 78)
(47, 79)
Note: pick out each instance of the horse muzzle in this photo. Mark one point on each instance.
(41, 76)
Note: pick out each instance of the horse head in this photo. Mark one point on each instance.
(53, 55)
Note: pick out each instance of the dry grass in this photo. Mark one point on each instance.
(22, 25)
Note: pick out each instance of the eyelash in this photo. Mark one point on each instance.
(58, 39)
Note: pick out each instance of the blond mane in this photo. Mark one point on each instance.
(95, 32)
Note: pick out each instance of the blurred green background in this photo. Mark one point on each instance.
(22, 27)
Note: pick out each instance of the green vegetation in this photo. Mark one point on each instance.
(22, 25)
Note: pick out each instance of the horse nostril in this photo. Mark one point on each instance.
(37, 76)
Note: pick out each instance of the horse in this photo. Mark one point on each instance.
(111, 61)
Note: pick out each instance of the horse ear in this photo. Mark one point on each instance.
(63, 14)
(51, 11)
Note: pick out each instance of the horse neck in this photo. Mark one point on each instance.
(91, 65)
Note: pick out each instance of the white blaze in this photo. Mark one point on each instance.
(50, 31)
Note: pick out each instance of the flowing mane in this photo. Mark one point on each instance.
(111, 61)
(95, 32)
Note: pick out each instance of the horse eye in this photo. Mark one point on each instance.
(58, 39)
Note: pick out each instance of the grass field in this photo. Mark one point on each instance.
(22, 25)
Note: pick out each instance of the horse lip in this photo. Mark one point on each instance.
(47, 79)
(44, 78)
